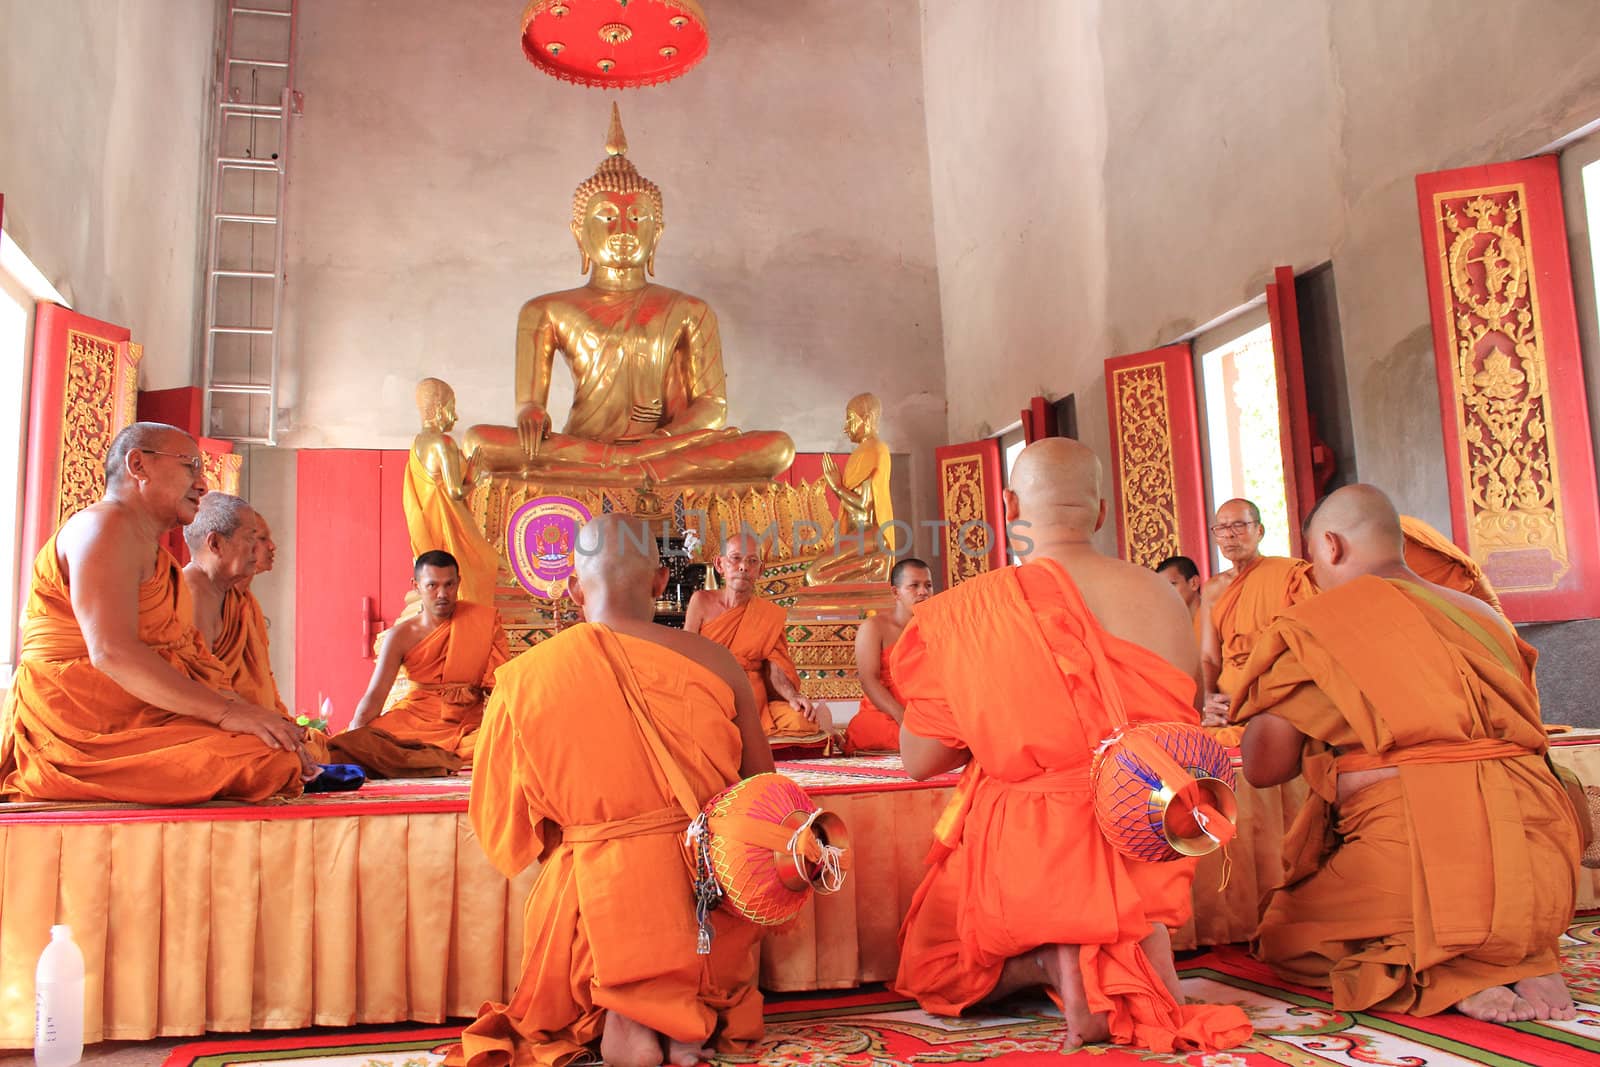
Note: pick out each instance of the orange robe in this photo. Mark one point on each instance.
(435, 521)
(450, 671)
(872, 730)
(1456, 875)
(610, 924)
(753, 632)
(1248, 606)
(242, 649)
(1436, 559)
(985, 666)
(71, 733)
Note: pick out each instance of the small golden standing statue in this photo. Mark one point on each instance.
(865, 510)
(650, 395)
(435, 498)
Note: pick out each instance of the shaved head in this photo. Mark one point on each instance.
(141, 436)
(1354, 531)
(1055, 482)
(617, 557)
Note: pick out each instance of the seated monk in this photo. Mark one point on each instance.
(115, 696)
(1435, 558)
(1434, 864)
(450, 651)
(1185, 578)
(232, 624)
(875, 726)
(1237, 604)
(1014, 670)
(610, 954)
(752, 629)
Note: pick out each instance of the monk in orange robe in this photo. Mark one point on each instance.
(610, 953)
(1435, 558)
(875, 727)
(115, 696)
(1435, 863)
(1015, 670)
(450, 651)
(224, 553)
(752, 629)
(1237, 605)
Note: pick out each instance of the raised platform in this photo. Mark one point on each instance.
(379, 907)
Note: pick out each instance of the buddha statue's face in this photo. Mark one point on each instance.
(618, 230)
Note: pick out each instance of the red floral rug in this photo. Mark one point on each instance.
(875, 1028)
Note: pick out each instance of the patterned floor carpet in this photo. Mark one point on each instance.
(873, 1028)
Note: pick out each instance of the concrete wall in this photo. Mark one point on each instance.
(103, 125)
(1109, 176)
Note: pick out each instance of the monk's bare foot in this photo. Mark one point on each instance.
(625, 1043)
(1066, 977)
(1497, 1004)
(1158, 950)
(1019, 973)
(686, 1053)
(1549, 997)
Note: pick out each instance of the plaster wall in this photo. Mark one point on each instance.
(1208, 147)
(431, 184)
(103, 125)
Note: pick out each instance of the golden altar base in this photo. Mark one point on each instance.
(793, 523)
(822, 625)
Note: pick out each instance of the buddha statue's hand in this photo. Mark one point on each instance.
(532, 425)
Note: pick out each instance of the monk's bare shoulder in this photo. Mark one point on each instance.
(1138, 605)
(874, 629)
(104, 527)
(1215, 584)
(406, 634)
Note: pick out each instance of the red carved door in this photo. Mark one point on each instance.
(84, 388)
(973, 537)
(1294, 416)
(1159, 494)
(352, 570)
(1511, 390)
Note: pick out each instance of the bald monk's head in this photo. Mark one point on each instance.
(1055, 489)
(1353, 532)
(740, 565)
(222, 539)
(617, 571)
(157, 469)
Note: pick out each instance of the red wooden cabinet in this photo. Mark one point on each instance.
(352, 570)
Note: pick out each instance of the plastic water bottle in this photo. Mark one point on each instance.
(58, 1002)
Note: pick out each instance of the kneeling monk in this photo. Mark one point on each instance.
(875, 727)
(450, 651)
(752, 629)
(115, 696)
(1435, 863)
(610, 927)
(1015, 670)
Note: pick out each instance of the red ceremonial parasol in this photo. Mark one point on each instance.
(614, 44)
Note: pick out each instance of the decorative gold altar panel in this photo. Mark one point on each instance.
(84, 388)
(972, 536)
(1511, 389)
(1155, 457)
(222, 464)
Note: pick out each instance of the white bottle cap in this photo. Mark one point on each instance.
(60, 931)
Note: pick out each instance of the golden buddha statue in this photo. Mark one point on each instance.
(865, 510)
(650, 396)
(434, 496)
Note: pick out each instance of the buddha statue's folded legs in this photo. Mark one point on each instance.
(703, 457)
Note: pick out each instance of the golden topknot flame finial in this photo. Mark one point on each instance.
(616, 140)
